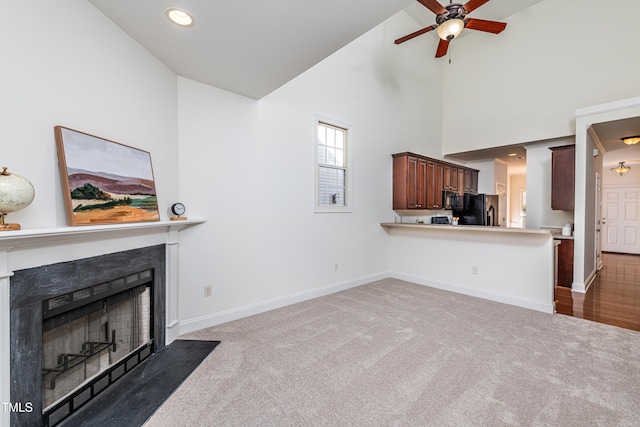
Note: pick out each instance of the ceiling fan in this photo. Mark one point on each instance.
(451, 19)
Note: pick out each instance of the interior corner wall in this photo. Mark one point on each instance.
(65, 63)
(525, 83)
(247, 166)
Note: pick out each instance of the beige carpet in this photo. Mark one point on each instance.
(396, 353)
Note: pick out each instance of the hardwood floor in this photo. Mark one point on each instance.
(613, 298)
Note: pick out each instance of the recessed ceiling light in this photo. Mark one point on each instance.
(179, 16)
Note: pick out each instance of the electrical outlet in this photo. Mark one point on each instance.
(474, 269)
(208, 290)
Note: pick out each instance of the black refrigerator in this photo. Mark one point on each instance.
(478, 209)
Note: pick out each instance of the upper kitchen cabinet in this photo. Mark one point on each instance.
(409, 181)
(450, 177)
(563, 161)
(418, 181)
(434, 184)
(470, 184)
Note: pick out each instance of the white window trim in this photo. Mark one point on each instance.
(349, 183)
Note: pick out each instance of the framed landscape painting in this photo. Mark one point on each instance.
(104, 182)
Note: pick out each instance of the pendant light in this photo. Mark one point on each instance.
(621, 168)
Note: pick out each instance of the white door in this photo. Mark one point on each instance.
(621, 220)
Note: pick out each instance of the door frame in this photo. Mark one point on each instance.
(584, 270)
(598, 229)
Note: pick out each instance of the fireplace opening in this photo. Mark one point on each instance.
(67, 286)
(90, 338)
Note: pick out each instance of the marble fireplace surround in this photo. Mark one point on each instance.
(35, 248)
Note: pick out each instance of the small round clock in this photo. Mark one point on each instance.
(178, 209)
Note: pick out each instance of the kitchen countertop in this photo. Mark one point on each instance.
(471, 228)
(560, 236)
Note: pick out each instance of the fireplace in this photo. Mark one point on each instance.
(77, 327)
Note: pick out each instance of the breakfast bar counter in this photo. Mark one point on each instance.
(509, 265)
(469, 228)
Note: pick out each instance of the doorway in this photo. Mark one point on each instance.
(585, 203)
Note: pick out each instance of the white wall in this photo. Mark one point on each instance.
(66, 64)
(512, 268)
(539, 212)
(526, 83)
(517, 184)
(247, 166)
(492, 172)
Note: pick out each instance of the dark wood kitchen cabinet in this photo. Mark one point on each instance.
(563, 162)
(409, 182)
(471, 181)
(418, 181)
(434, 184)
(449, 178)
(461, 181)
(565, 262)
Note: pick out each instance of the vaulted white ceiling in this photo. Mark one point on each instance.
(249, 47)
(252, 47)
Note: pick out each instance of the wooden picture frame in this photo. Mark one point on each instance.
(104, 182)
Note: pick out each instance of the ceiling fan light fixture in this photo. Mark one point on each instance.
(621, 168)
(631, 140)
(179, 16)
(450, 29)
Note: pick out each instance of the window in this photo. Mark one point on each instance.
(332, 168)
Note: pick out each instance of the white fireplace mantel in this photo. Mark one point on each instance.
(31, 244)
(40, 236)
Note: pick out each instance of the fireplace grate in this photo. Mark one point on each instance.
(73, 402)
(67, 361)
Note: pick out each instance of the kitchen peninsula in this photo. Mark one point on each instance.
(508, 265)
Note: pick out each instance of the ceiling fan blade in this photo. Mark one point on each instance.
(434, 6)
(473, 5)
(443, 46)
(416, 34)
(484, 25)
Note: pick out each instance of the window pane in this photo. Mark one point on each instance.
(339, 155)
(331, 187)
(331, 137)
(331, 156)
(340, 139)
(321, 135)
(322, 156)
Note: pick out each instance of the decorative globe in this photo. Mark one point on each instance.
(16, 193)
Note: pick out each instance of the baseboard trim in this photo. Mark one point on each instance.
(584, 287)
(195, 324)
(191, 325)
(489, 295)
